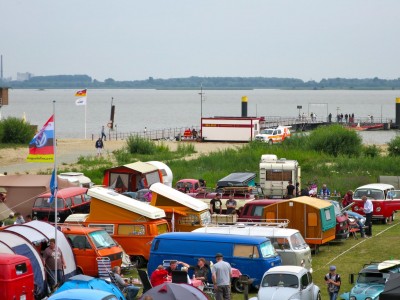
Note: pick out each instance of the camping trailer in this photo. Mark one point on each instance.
(313, 217)
(183, 212)
(275, 175)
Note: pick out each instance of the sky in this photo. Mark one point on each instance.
(135, 40)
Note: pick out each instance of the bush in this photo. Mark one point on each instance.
(16, 131)
(371, 151)
(335, 140)
(394, 146)
(140, 145)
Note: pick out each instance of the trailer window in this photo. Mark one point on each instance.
(248, 251)
(21, 269)
(278, 175)
(190, 219)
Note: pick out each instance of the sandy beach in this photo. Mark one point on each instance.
(13, 160)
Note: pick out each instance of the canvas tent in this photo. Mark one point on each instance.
(26, 240)
(22, 190)
(392, 288)
(127, 177)
(171, 291)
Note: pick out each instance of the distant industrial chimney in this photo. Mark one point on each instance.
(244, 106)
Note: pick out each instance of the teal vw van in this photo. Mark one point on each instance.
(252, 255)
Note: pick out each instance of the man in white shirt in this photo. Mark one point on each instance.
(368, 210)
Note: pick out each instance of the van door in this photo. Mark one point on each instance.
(83, 252)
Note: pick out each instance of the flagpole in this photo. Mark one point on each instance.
(85, 117)
(55, 191)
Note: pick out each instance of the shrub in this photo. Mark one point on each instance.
(16, 131)
(394, 146)
(335, 140)
(371, 151)
(140, 145)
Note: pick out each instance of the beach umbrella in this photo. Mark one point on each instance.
(172, 291)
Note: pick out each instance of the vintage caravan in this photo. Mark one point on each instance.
(289, 243)
(313, 217)
(275, 175)
(133, 224)
(132, 177)
(184, 212)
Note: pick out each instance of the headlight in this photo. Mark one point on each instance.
(378, 209)
(352, 298)
(356, 208)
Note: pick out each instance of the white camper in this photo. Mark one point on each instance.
(275, 175)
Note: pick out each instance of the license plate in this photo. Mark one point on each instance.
(22, 297)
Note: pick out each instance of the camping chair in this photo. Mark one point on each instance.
(114, 281)
(144, 278)
(179, 276)
(104, 267)
(209, 290)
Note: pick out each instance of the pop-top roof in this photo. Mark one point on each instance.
(111, 197)
(178, 197)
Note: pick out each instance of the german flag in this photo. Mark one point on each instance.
(81, 93)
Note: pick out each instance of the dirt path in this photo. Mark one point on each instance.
(13, 161)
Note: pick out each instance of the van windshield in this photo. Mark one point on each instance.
(267, 250)
(101, 239)
(370, 193)
(297, 241)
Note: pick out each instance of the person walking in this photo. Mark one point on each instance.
(221, 277)
(333, 282)
(103, 135)
(54, 264)
(99, 146)
(368, 210)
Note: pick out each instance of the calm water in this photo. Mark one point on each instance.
(136, 109)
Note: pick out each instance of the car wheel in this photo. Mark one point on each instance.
(237, 286)
(138, 261)
(270, 142)
(393, 216)
(386, 220)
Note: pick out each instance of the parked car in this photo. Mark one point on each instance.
(69, 201)
(274, 135)
(371, 280)
(253, 211)
(288, 282)
(385, 199)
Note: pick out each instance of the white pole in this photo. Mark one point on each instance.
(56, 189)
(85, 116)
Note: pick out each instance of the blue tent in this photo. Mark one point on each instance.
(88, 282)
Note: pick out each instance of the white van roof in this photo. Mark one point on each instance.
(377, 186)
(78, 177)
(249, 230)
(178, 197)
(111, 197)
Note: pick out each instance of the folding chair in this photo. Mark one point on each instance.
(209, 290)
(144, 278)
(104, 267)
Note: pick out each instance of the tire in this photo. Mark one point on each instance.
(138, 261)
(393, 216)
(386, 220)
(270, 142)
(237, 286)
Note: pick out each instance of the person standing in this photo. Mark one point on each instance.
(221, 277)
(216, 204)
(54, 263)
(99, 146)
(348, 198)
(333, 282)
(19, 218)
(290, 190)
(103, 135)
(325, 193)
(368, 210)
(231, 205)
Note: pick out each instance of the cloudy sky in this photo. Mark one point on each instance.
(132, 40)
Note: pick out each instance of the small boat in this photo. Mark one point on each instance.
(365, 127)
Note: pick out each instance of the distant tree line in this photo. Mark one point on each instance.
(85, 81)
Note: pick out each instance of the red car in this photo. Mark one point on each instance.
(385, 199)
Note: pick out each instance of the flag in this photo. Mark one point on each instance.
(41, 147)
(81, 93)
(81, 101)
(173, 221)
(53, 186)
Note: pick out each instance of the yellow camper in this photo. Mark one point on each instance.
(183, 212)
(313, 217)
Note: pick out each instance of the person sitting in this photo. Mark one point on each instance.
(159, 276)
(201, 272)
(131, 290)
(355, 223)
(175, 265)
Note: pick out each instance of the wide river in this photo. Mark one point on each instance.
(158, 109)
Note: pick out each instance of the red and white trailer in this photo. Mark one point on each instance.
(230, 129)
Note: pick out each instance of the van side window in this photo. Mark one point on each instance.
(157, 243)
(280, 243)
(258, 211)
(107, 227)
(80, 241)
(78, 199)
(131, 230)
(162, 228)
(68, 202)
(21, 269)
(248, 251)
